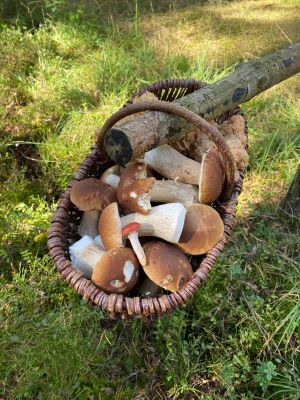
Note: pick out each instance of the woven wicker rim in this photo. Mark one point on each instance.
(63, 229)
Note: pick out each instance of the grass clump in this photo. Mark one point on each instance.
(65, 67)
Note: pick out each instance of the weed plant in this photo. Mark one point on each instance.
(65, 67)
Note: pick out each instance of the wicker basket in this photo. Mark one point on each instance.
(63, 229)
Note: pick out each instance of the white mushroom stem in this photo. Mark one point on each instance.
(169, 191)
(111, 176)
(165, 221)
(165, 191)
(137, 248)
(173, 165)
(89, 223)
(85, 254)
(112, 180)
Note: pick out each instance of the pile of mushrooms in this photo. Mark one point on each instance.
(141, 224)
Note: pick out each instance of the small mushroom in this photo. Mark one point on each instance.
(132, 231)
(164, 221)
(133, 189)
(166, 265)
(211, 177)
(116, 271)
(109, 227)
(91, 196)
(203, 228)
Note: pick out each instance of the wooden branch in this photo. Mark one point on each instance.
(131, 139)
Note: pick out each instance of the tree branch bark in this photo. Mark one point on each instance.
(131, 139)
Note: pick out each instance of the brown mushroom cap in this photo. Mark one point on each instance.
(92, 194)
(133, 189)
(203, 228)
(117, 271)
(211, 177)
(110, 228)
(166, 265)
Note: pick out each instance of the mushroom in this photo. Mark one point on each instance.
(133, 189)
(132, 231)
(164, 221)
(209, 175)
(116, 271)
(163, 191)
(91, 196)
(203, 228)
(109, 227)
(166, 265)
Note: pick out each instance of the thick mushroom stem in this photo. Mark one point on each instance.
(89, 223)
(169, 191)
(165, 191)
(132, 231)
(165, 221)
(173, 165)
(85, 254)
(111, 179)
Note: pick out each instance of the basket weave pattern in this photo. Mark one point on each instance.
(64, 225)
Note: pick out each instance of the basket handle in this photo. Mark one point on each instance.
(200, 123)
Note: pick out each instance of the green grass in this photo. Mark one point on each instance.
(65, 67)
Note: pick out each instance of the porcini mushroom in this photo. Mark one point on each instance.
(109, 227)
(133, 189)
(164, 191)
(116, 271)
(164, 221)
(91, 196)
(166, 265)
(211, 177)
(203, 228)
(132, 231)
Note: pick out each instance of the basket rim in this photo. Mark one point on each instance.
(118, 304)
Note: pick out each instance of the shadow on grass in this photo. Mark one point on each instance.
(33, 14)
